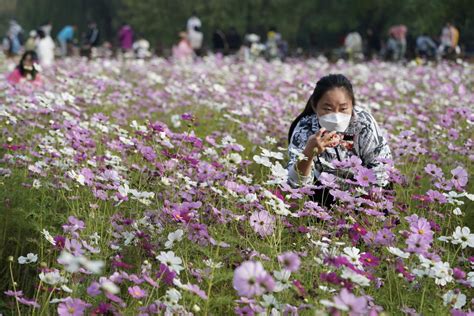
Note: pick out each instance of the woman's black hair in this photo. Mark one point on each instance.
(324, 84)
(21, 65)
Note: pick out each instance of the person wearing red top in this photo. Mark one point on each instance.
(27, 70)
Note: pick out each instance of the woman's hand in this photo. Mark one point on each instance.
(318, 142)
(315, 145)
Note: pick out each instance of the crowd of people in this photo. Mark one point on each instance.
(396, 46)
(39, 49)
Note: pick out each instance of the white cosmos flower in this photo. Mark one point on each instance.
(469, 196)
(456, 300)
(464, 237)
(270, 140)
(137, 127)
(52, 277)
(171, 261)
(355, 277)
(270, 301)
(279, 174)
(249, 198)
(219, 88)
(444, 238)
(30, 258)
(442, 273)
(234, 158)
(352, 254)
(399, 253)
(78, 177)
(66, 289)
(36, 184)
(271, 154)
(262, 161)
(73, 263)
(470, 278)
(174, 236)
(457, 211)
(108, 286)
(299, 154)
(176, 120)
(279, 207)
(282, 280)
(48, 237)
(173, 296)
(213, 265)
(124, 189)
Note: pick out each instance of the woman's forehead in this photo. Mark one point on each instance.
(336, 96)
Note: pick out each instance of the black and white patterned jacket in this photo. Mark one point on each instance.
(369, 144)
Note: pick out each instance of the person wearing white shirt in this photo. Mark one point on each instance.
(45, 49)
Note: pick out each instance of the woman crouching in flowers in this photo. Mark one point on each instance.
(331, 133)
(27, 70)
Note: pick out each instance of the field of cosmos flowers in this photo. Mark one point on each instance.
(152, 187)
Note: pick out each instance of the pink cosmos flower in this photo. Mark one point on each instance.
(262, 223)
(94, 289)
(72, 307)
(290, 261)
(28, 302)
(434, 171)
(251, 279)
(353, 304)
(136, 292)
(436, 196)
(365, 177)
(417, 244)
(460, 177)
(422, 227)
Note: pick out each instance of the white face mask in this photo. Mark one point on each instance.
(335, 121)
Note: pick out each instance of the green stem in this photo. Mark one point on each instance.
(422, 300)
(14, 288)
(211, 279)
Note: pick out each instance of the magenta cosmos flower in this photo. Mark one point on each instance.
(251, 279)
(262, 223)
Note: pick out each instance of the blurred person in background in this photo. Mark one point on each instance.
(353, 46)
(141, 48)
(219, 42)
(27, 70)
(194, 33)
(45, 49)
(272, 49)
(399, 34)
(47, 27)
(30, 43)
(91, 40)
(65, 36)
(234, 41)
(449, 41)
(373, 43)
(425, 47)
(183, 51)
(13, 40)
(125, 37)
